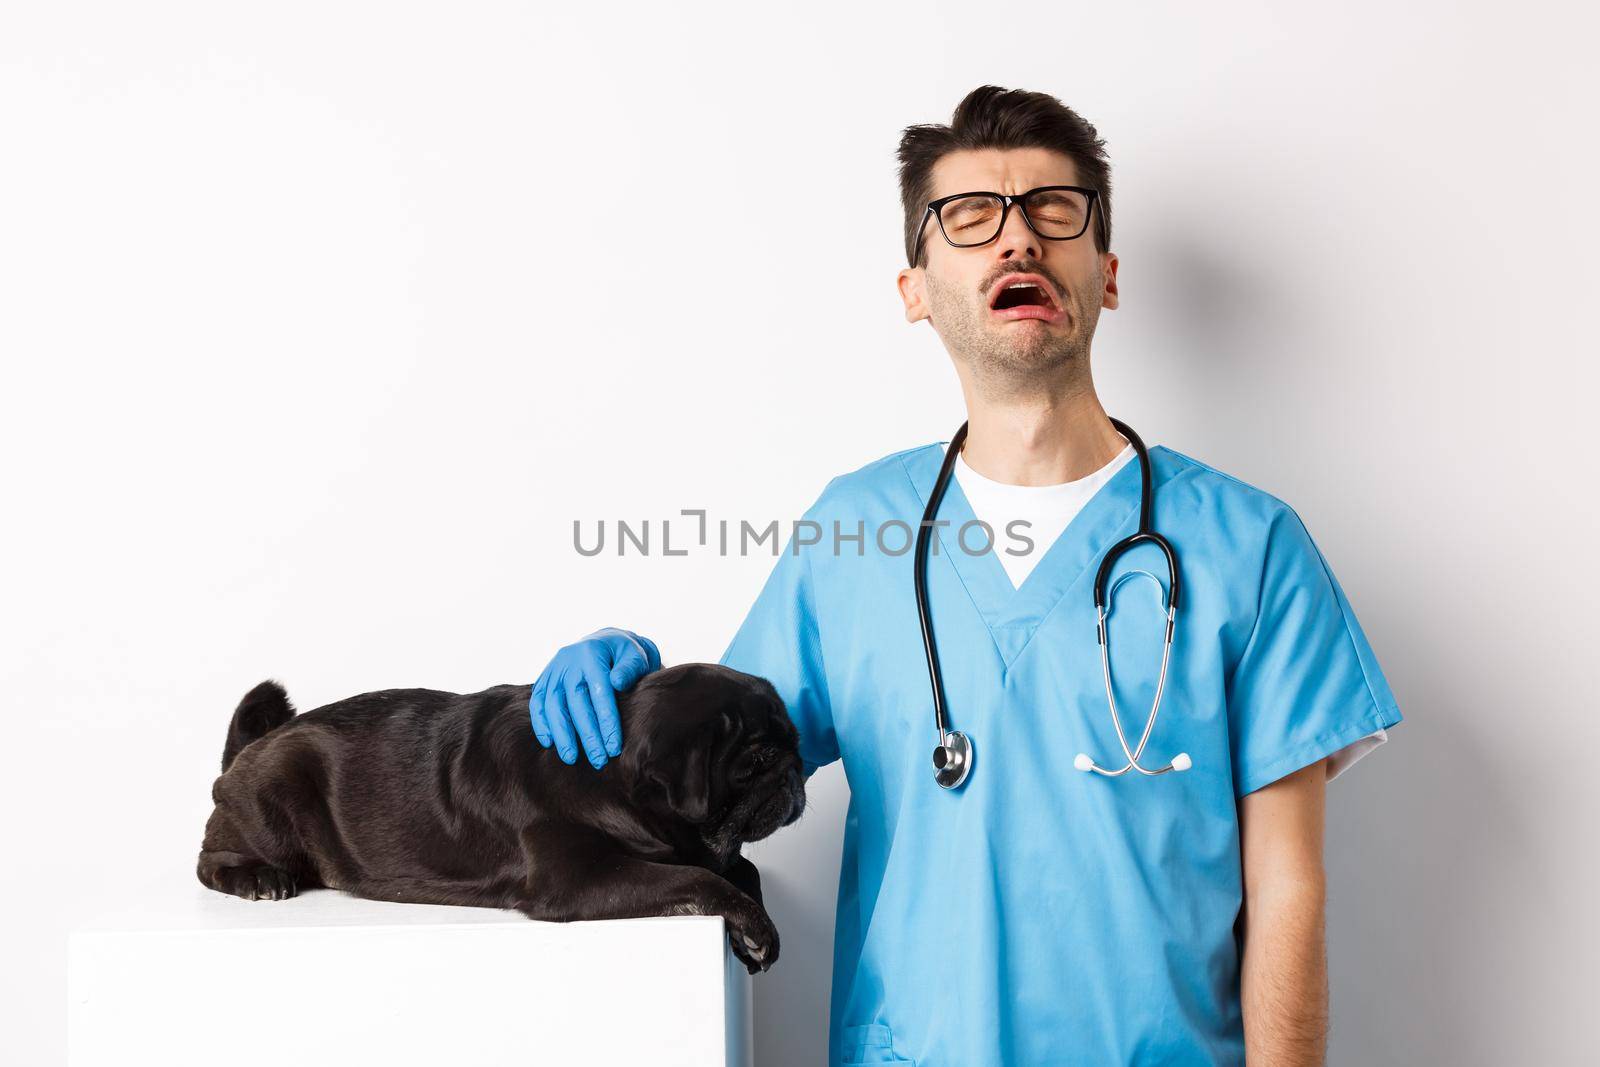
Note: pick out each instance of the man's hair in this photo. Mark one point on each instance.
(992, 117)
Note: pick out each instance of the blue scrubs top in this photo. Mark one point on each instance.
(1039, 914)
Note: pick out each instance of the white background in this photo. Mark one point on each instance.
(321, 323)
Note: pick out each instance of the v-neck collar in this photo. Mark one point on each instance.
(1013, 613)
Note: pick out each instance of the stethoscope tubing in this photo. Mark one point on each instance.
(1111, 700)
(952, 758)
(941, 719)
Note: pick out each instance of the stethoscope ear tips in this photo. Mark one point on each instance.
(1180, 762)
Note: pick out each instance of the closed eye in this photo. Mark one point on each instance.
(760, 758)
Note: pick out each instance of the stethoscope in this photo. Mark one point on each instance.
(952, 759)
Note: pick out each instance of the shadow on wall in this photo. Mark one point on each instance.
(1426, 862)
(800, 883)
(1436, 877)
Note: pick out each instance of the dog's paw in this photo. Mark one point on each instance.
(753, 937)
(256, 883)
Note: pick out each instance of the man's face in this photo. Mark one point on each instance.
(957, 287)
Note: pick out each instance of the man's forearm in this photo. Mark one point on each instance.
(1284, 976)
(1284, 972)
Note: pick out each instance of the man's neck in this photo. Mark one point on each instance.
(1041, 439)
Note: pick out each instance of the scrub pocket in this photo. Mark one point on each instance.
(871, 1043)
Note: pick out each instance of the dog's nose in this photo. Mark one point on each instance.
(797, 794)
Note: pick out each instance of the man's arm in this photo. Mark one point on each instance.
(1284, 972)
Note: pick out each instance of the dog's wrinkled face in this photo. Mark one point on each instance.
(717, 749)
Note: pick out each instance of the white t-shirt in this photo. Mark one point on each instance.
(1047, 509)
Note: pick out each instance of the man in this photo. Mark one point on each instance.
(1036, 914)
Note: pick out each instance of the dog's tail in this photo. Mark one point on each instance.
(263, 709)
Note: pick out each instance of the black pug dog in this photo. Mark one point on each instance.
(445, 798)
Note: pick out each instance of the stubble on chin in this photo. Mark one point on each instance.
(1016, 356)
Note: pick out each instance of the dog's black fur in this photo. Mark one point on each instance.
(444, 798)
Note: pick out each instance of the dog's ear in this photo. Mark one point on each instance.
(681, 756)
(685, 777)
(685, 722)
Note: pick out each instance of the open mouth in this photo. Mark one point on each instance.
(1024, 296)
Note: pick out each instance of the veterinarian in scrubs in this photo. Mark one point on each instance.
(1038, 914)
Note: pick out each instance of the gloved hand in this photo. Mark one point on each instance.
(576, 693)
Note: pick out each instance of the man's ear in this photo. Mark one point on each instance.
(912, 283)
(1111, 298)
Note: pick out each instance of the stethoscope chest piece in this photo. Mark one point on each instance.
(952, 760)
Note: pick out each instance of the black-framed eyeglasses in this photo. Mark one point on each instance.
(1054, 212)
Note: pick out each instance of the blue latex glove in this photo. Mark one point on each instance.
(576, 693)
